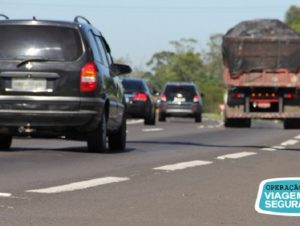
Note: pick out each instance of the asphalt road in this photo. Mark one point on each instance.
(175, 173)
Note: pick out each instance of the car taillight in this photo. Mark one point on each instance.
(239, 95)
(163, 97)
(88, 77)
(140, 97)
(196, 98)
(289, 96)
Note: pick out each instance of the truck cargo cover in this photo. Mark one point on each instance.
(261, 45)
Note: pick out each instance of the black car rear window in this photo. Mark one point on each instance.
(133, 86)
(47, 42)
(186, 91)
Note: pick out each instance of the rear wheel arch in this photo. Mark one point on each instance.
(106, 109)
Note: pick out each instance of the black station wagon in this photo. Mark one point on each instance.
(57, 79)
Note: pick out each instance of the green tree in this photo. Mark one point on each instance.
(213, 57)
(182, 64)
(186, 64)
(292, 17)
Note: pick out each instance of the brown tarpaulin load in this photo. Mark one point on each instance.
(261, 45)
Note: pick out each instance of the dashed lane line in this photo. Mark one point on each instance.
(79, 185)
(289, 142)
(220, 124)
(268, 149)
(132, 122)
(183, 165)
(283, 145)
(236, 155)
(152, 130)
(278, 147)
(5, 195)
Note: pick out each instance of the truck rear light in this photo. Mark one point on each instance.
(88, 77)
(140, 97)
(163, 97)
(196, 98)
(289, 96)
(238, 95)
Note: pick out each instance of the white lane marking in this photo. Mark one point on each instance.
(80, 185)
(5, 195)
(201, 127)
(220, 124)
(152, 129)
(183, 165)
(236, 155)
(297, 137)
(132, 122)
(278, 147)
(268, 149)
(289, 142)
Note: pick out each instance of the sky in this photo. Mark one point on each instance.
(136, 29)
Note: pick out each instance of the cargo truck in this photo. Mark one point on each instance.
(262, 73)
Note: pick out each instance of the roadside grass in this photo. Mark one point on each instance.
(213, 116)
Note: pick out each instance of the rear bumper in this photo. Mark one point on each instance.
(43, 116)
(41, 123)
(171, 110)
(138, 110)
(238, 112)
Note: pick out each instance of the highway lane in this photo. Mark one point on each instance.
(174, 173)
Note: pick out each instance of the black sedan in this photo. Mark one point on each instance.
(139, 101)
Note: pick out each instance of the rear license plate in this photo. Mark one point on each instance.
(29, 85)
(264, 105)
(179, 99)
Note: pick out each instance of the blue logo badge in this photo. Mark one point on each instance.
(279, 196)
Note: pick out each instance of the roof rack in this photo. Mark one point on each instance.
(4, 16)
(76, 19)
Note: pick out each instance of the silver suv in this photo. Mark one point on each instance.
(180, 99)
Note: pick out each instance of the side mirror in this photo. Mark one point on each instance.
(121, 69)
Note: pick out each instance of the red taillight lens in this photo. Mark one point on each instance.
(163, 97)
(289, 96)
(140, 97)
(239, 95)
(196, 98)
(88, 77)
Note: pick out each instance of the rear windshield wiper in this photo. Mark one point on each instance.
(32, 59)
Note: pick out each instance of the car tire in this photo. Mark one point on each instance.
(198, 117)
(96, 140)
(151, 119)
(5, 142)
(162, 117)
(117, 141)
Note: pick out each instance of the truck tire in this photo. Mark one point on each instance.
(117, 141)
(5, 142)
(291, 123)
(237, 123)
(96, 140)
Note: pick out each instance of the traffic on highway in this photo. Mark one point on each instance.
(86, 140)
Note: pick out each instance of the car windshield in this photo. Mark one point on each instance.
(47, 42)
(133, 86)
(186, 92)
